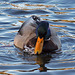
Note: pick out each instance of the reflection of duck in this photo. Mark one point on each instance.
(38, 34)
(41, 60)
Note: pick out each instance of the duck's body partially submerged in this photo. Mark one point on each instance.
(38, 34)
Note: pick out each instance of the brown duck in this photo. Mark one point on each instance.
(38, 34)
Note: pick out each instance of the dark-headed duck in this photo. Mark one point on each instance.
(38, 34)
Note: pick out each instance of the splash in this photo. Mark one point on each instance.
(28, 50)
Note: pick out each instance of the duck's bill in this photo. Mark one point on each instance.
(39, 45)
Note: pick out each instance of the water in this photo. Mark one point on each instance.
(60, 14)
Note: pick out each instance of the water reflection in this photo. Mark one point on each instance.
(61, 16)
(3, 73)
(40, 60)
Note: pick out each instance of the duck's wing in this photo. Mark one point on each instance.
(54, 38)
(53, 43)
(26, 32)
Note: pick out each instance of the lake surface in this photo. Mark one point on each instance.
(61, 16)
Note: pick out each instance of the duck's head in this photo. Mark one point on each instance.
(42, 33)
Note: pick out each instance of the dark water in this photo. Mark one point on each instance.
(60, 14)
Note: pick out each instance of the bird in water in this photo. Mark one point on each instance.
(37, 34)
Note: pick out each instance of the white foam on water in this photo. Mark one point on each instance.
(28, 50)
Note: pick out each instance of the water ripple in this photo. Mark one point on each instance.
(61, 16)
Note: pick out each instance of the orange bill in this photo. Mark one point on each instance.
(39, 46)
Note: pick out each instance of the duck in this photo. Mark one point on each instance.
(38, 34)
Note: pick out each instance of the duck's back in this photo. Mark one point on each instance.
(25, 33)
